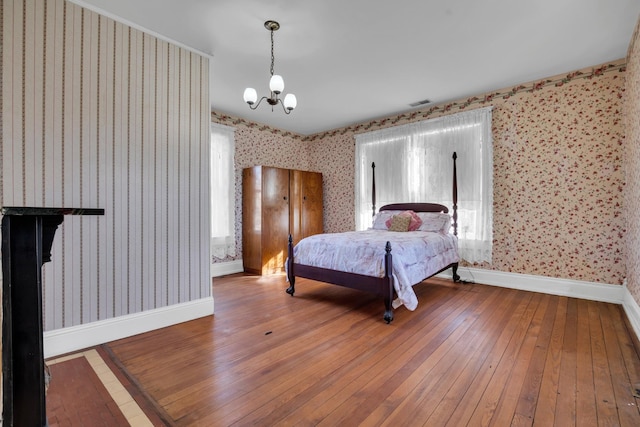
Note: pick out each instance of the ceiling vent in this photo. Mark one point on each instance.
(420, 103)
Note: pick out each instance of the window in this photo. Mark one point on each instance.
(223, 240)
(413, 164)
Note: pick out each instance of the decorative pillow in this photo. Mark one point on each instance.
(414, 223)
(400, 223)
(381, 218)
(435, 222)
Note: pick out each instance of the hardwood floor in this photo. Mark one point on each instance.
(469, 355)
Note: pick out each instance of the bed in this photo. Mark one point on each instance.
(363, 260)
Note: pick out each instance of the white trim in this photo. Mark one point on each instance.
(549, 285)
(632, 310)
(224, 268)
(61, 341)
(124, 21)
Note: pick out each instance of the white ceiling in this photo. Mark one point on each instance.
(349, 61)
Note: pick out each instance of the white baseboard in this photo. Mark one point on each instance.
(224, 268)
(549, 285)
(66, 340)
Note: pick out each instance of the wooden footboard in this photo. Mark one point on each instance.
(382, 286)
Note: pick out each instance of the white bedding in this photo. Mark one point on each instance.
(416, 256)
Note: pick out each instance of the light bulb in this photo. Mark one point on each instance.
(250, 95)
(276, 84)
(290, 101)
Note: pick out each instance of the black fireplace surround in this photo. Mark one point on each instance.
(27, 238)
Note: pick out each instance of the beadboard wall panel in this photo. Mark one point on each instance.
(98, 114)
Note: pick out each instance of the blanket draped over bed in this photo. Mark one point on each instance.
(416, 255)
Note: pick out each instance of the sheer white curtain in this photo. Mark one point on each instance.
(222, 191)
(414, 164)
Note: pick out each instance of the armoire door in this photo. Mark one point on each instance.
(275, 218)
(306, 204)
(252, 219)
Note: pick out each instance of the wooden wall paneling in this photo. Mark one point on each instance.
(4, 104)
(70, 118)
(52, 274)
(119, 169)
(173, 173)
(146, 204)
(185, 145)
(199, 139)
(194, 200)
(12, 155)
(204, 202)
(155, 135)
(103, 66)
(187, 275)
(76, 168)
(183, 179)
(57, 106)
(89, 177)
(47, 136)
(205, 177)
(32, 169)
(107, 109)
(57, 85)
(151, 121)
(161, 248)
(132, 205)
(6, 17)
(88, 169)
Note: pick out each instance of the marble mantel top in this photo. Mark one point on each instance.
(26, 210)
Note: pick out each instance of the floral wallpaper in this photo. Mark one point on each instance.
(632, 165)
(558, 177)
(260, 145)
(558, 181)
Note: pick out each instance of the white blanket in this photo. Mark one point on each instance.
(416, 255)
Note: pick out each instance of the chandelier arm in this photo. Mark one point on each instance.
(257, 104)
(283, 107)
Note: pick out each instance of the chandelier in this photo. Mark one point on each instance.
(276, 84)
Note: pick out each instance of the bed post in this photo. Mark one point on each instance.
(373, 187)
(290, 275)
(454, 267)
(455, 195)
(388, 266)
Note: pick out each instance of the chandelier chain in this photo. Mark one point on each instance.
(272, 56)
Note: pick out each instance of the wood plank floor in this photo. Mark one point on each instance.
(469, 355)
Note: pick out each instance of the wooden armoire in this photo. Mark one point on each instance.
(275, 203)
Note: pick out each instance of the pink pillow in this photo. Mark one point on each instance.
(414, 224)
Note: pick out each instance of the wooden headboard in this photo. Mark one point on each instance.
(416, 207)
